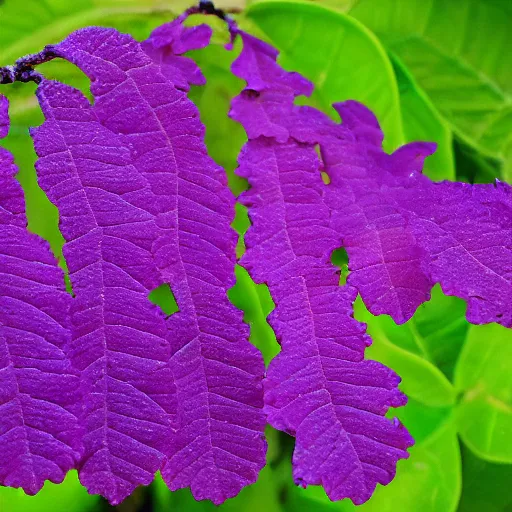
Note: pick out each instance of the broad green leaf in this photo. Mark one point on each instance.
(459, 53)
(483, 374)
(414, 349)
(485, 486)
(436, 332)
(340, 56)
(429, 481)
(423, 122)
(29, 25)
(69, 496)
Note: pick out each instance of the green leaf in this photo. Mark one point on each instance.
(423, 122)
(69, 496)
(29, 25)
(459, 53)
(423, 351)
(436, 332)
(340, 56)
(483, 375)
(485, 486)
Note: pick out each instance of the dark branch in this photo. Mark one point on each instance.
(23, 70)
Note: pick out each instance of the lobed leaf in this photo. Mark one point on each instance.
(119, 340)
(39, 389)
(318, 388)
(174, 213)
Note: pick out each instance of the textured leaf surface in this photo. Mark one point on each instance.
(339, 55)
(429, 480)
(219, 446)
(119, 338)
(404, 233)
(318, 388)
(39, 435)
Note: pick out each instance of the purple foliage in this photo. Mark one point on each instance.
(319, 388)
(166, 45)
(154, 209)
(39, 433)
(104, 382)
(119, 339)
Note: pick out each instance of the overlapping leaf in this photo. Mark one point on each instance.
(119, 339)
(381, 209)
(318, 388)
(39, 433)
(156, 210)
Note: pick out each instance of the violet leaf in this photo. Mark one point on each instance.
(119, 338)
(40, 437)
(319, 388)
(186, 208)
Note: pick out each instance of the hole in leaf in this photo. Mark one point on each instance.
(256, 303)
(163, 297)
(325, 177)
(339, 258)
(241, 224)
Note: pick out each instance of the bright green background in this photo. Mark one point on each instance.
(438, 70)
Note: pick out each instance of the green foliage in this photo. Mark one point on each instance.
(433, 70)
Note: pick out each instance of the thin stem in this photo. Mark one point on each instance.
(23, 70)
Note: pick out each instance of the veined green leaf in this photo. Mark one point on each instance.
(342, 58)
(459, 52)
(483, 374)
(422, 121)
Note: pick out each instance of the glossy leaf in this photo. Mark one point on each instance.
(458, 53)
(483, 374)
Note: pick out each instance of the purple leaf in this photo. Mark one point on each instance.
(219, 445)
(319, 388)
(402, 233)
(119, 339)
(39, 434)
(166, 45)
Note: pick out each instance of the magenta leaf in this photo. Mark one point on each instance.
(39, 434)
(402, 232)
(166, 45)
(165, 196)
(119, 339)
(319, 388)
